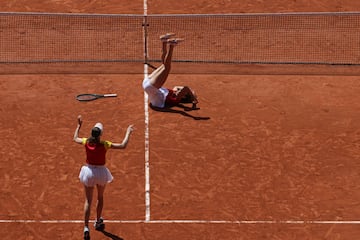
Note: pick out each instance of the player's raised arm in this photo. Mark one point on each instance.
(125, 140)
(77, 130)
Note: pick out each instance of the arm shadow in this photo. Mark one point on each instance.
(182, 112)
(111, 236)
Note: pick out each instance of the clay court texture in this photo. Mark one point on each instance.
(276, 158)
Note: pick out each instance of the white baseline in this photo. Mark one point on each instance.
(189, 221)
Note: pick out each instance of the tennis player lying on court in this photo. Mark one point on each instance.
(95, 173)
(160, 96)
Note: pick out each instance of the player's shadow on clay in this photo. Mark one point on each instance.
(184, 112)
(111, 236)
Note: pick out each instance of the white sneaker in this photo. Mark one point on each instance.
(174, 41)
(166, 36)
(86, 233)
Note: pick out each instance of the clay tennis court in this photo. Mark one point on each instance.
(277, 158)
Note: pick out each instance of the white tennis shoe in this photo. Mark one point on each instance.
(166, 37)
(175, 41)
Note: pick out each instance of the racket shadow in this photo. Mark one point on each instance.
(184, 112)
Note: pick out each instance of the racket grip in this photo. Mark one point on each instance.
(110, 95)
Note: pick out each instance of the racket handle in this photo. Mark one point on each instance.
(110, 95)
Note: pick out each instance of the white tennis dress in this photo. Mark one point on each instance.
(157, 96)
(91, 174)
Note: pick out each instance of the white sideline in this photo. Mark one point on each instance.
(147, 142)
(190, 221)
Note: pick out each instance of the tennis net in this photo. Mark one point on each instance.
(86, 43)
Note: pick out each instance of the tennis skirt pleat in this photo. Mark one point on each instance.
(91, 175)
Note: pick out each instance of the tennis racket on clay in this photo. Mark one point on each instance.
(90, 96)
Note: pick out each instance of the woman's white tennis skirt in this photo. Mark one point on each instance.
(91, 175)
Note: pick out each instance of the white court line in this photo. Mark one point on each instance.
(147, 142)
(244, 222)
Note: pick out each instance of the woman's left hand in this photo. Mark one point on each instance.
(79, 120)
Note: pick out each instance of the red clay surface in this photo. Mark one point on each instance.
(275, 148)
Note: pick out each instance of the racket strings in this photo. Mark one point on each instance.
(86, 97)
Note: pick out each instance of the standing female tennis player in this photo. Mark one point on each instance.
(95, 173)
(153, 85)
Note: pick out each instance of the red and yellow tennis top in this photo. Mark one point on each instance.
(96, 153)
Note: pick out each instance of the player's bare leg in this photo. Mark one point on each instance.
(160, 75)
(164, 39)
(99, 225)
(87, 206)
(154, 75)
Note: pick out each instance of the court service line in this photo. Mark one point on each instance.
(146, 113)
(240, 222)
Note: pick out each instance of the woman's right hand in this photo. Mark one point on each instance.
(130, 128)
